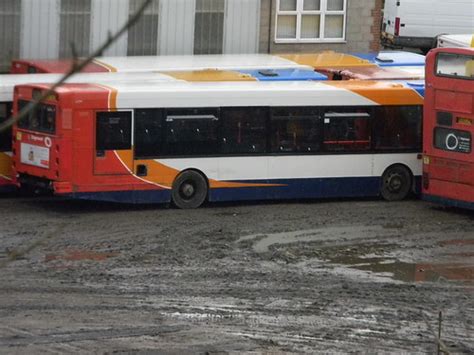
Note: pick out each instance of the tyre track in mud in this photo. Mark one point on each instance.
(135, 269)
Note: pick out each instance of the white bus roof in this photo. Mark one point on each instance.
(248, 93)
(8, 81)
(197, 62)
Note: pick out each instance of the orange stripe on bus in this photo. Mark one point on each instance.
(327, 59)
(163, 175)
(105, 65)
(397, 94)
(209, 75)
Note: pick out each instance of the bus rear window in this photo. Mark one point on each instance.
(455, 66)
(452, 140)
(41, 119)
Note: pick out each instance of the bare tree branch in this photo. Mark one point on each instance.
(77, 66)
(81, 64)
(439, 342)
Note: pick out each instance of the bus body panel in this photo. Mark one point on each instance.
(72, 167)
(448, 171)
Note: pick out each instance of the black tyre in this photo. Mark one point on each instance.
(189, 190)
(396, 183)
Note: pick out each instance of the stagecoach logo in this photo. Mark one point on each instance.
(47, 142)
(452, 141)
(36, 138)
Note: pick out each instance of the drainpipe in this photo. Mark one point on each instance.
(270, 27)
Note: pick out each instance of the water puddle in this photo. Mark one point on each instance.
(79, 255)
(409, 272)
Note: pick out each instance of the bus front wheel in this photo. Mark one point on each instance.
(396, 183)
(189, 190)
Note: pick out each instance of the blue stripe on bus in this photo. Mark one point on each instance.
(8, 188)
(137, 197)
(285, 74)
(394, 59)
(290, 189)
(448, 201)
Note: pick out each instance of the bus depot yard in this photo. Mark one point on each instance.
(298, 276)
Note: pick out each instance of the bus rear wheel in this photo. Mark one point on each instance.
(189, 190)
(396, 183)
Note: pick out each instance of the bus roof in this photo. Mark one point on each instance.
(316, 61)
(8, 81)
(245, 93)
(393, 58)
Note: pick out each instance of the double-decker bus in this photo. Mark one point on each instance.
(448, 162)
(317, 61)
(194, 142)
(7, 83)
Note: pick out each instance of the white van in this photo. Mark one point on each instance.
(418, 23)
(456, 41)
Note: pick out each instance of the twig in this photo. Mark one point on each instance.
(441, 346)
(76, 68)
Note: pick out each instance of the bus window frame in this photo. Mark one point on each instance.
(456, 77)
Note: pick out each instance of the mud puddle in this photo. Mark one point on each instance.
(409, 272)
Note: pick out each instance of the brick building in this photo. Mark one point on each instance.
(46, 28)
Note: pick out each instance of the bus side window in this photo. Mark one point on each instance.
(398, 127)
(243, 130)
(148, 133)
(6, 135)
(347, 129)
(191, 132)
(295, 130)
(113, 130)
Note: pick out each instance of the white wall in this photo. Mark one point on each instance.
(40, 29)
(241, 26)
(176, 34)
(109, 15)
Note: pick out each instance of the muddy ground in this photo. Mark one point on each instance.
(331, 276)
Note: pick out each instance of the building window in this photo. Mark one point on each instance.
(75, 27)
(209, 27)
(310, 21)
(9, 32)
(143, 36)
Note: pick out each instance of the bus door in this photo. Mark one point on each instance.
(113, 154)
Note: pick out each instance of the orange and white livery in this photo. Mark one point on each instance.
(191, 142)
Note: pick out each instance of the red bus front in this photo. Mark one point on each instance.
(41, 150)
(75, 145)
(448, 163)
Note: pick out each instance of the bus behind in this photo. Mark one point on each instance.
(448, 162)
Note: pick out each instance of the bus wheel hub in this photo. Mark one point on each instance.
(187, 190)
(394, 182)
